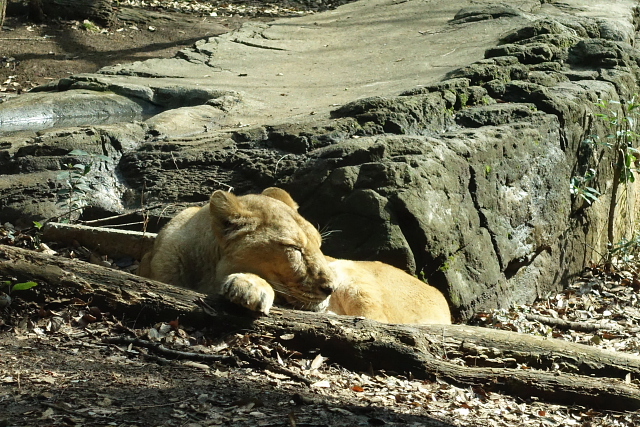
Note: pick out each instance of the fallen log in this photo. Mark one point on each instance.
(361, 344)
(100, 12)
(111, 290)
(425, 351)
(115, 243)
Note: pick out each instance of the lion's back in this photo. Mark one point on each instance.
(382, 292)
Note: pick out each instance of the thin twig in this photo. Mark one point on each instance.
(26, 38)
(275, 172)
(121, 225)
(270, 365)
(174, 161)
(168, 352)
(94, 221)
(68, 411)
(240, 353)
(57, 217)
(159, 405)
(564, 324)
(229, 188)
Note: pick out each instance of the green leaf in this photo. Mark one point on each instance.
(38, 225)
(23, 286)
(592, 190)
(78, 153)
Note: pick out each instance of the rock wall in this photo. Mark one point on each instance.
(478, 202)
(464, 183)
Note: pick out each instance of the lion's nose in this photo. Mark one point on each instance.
(325, 282)
(326, 289)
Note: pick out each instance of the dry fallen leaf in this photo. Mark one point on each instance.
(321, 384)
(193, 364)
(317, 362)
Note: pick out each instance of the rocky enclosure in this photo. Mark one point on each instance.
(464, 182)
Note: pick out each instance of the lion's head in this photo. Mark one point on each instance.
(265, 235)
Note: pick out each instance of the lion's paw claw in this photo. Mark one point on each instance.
(248, 290)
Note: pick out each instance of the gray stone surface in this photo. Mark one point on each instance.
(42, 110)
(437, 136)
(301, 68)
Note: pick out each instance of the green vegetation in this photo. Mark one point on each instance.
(464, 99)
(486, 100)
(621, 138)
(19, 286)
(37, 238)
(90, 26)
(579, 186)
(446, 265)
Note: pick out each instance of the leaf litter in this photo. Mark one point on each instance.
(67, 362)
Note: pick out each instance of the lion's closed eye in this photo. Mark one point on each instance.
(295, 252)
(296, 258)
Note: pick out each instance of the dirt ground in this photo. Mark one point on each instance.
(71, 377)
(35, 54)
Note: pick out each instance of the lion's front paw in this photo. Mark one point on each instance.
(248, 290)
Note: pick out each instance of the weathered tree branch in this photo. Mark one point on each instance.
(3, 11)
(99, 11)
(563, 324)
(112, 242)
(429, 351)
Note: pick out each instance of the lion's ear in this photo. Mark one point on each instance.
(280, 194)
(228, 216)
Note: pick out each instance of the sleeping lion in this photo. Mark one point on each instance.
(257, 249)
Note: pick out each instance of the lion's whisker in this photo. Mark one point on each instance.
(311, 302)
(325, 232)
(280, 291)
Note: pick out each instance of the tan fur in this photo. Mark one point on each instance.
(257, 249)
(252, 249)
(384, 293)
